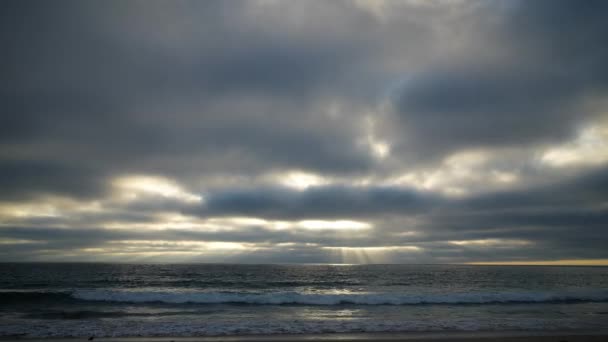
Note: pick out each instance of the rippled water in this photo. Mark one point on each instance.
(170, 300)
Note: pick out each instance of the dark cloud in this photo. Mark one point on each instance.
(316, 202)
(128, 87)
(22, 179)
(545, 62)
(479, 108)
(226, 98)
(586, 190)
(534, 228)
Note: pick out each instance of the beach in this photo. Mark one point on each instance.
(507, 336)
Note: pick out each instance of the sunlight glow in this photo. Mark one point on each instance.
(25, 210)
(504, 177)
(492, 242)
(280, 225)
(378, 147)
(133, 186)
(573, 262)
(589, 148)
(47, 207)
(369, 255)
(380, 248)
(215, 224)
(301, 180)
(238, 221)
(458, 174)
(8, 241)
(335, 225)
(192, 245)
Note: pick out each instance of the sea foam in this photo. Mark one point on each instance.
(279, 298)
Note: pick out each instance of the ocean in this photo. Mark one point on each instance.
(111, 300)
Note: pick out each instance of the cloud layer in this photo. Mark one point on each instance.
(274, 131)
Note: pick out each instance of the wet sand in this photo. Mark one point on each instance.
(566, 336)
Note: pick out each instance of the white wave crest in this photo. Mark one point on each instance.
(277, 298)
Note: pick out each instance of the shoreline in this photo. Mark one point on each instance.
(453, 336)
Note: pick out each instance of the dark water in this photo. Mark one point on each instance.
(172, 300)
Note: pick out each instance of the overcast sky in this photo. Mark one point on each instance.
(304, 131)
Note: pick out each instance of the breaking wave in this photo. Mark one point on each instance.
(284, 298)
(296, 298)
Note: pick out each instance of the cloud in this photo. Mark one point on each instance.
(25, 178)
(315, 202)
(528, 79)
(99, 85)
(303, 131)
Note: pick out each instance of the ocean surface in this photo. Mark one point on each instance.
(60, 300)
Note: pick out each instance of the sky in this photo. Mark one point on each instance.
(269, 131)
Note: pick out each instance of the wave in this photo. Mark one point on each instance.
(294, 298)
(33, 295)
(87, 314)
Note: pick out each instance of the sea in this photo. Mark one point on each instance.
(115, 300)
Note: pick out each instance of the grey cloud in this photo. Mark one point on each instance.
(527, 81)
(580, 191)
(475, 108)
(112, 87)
(562, 215)
(22, 179)
(53, 243)
(316, 202)
(554, 218)
(205, 90)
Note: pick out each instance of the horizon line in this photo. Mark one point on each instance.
(565, 262)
